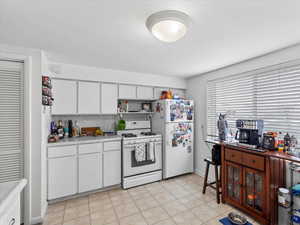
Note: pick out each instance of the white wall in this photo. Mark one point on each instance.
(196, 89)
(107, 75)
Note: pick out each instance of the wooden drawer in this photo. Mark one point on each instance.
(114, 145)
(62, 151)
(90, 148)
(253, 161)
(233, 155)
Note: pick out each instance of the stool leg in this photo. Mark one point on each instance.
(217, 184)
(205, 178)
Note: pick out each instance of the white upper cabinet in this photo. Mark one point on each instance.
(65, 97)
(109, 98)
(127, 91)
(178, 92)
(144, 92)
(157, 92)
(88, 97)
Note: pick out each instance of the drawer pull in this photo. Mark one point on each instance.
(12, 221)
(253, 161)
(232, 156)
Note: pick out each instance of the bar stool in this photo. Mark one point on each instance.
(216, 162)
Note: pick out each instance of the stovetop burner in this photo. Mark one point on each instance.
(148, 133)
(127, 135)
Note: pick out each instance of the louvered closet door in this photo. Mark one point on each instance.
(11, 121)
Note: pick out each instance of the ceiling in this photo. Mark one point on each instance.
(112, 33)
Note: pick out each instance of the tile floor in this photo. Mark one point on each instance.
(177, 201)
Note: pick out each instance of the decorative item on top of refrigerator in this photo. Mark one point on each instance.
(175, 110)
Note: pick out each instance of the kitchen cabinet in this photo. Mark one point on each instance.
(88, 97)
(109, 98)
(234, 182)
(178, 92)
(145, 92)
(254, 190)
(65, 96)
(90, 166)
(127, 91)
(112, 167)
(245, 183)
(90, 172)
(112, 163)
(62, 177)
(158, 91)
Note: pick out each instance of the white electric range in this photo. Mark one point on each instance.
(141, 154)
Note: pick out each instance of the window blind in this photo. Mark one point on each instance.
(271, 94)
(11, 121)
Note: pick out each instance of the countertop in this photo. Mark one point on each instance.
(86, 139)
(267, 153)
(8, 191)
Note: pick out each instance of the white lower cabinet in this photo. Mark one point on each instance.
(62, 177)
(80, 168)
(89, 172)
(112, 167)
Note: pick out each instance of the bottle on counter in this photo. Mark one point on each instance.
(70, 128)
(53, 128)
(66, 129)
(60, 129)
(76, 129)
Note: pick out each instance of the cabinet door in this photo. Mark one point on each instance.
(62, 177)
(65, 97)
(158, 91)
(127, 91)
(112, 168)
(178, 92)
(109, 98)
(90, 172)
(254, 190)
(88, 98)
(144, 92)
(234, 182)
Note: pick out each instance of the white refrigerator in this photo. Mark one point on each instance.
(174, 120)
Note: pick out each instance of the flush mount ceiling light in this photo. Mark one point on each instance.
(169, 25)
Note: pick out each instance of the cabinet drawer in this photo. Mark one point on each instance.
(115, 145)
(233, 155)
(253, 161)
(61, 151)
(90, 148)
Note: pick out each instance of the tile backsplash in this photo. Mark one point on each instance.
(106, 122)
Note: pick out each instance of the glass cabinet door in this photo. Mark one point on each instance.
(234, 180)
(254, 186)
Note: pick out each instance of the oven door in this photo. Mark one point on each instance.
(132, 167)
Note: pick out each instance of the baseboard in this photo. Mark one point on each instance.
(45, 208)
(199, 172)
(40, 219)
(36, 220)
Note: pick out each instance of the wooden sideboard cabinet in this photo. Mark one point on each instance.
(247, 183)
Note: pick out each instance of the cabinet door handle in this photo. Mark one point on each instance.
(12, 221)
(232, 156)
(253, 161)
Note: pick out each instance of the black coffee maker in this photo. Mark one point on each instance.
(249, 131)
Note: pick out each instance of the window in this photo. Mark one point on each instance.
(271, 94)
